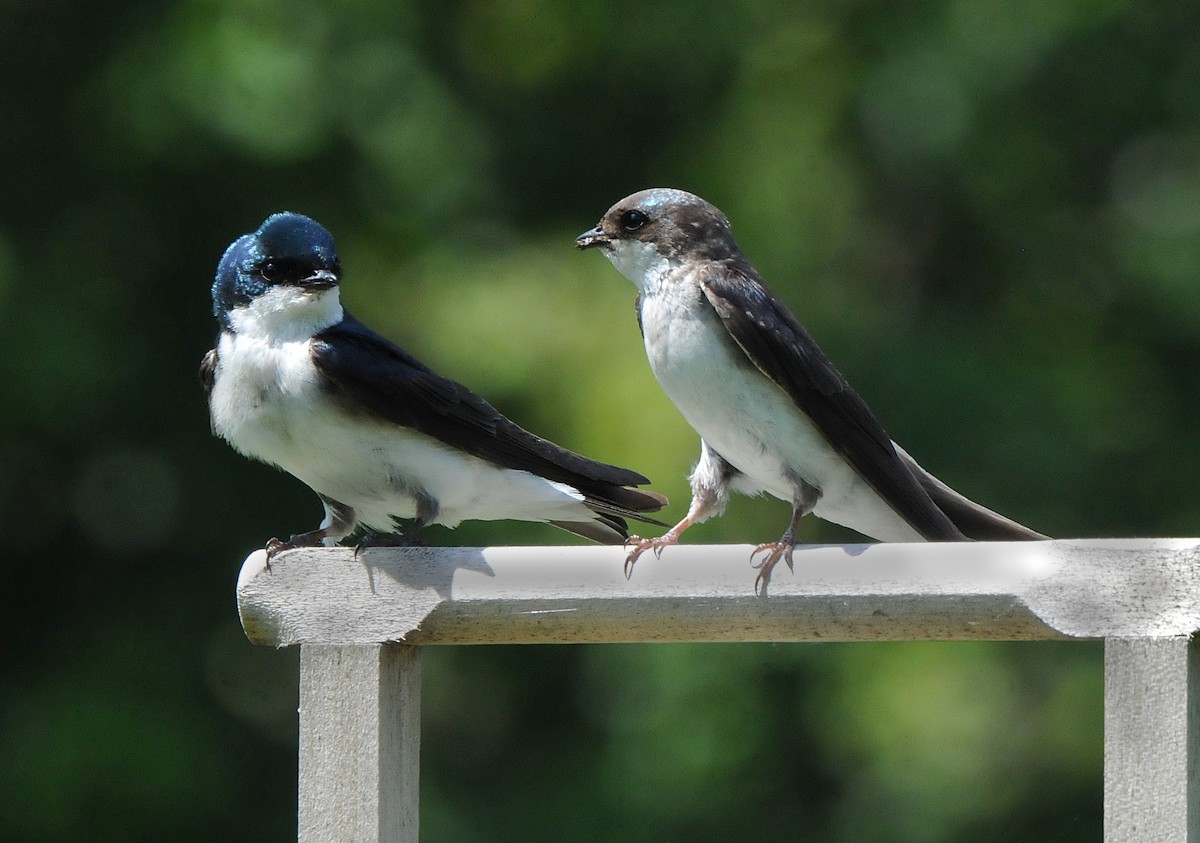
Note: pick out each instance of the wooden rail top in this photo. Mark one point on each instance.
(1094, 588)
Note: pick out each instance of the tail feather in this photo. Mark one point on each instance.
(604, 529)
(612, 506)
(627, 505)
(975, 521)
(625, 500)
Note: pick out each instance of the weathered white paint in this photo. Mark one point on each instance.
(506, 595)
(360, 696)
(1150, 739)
(360, 742)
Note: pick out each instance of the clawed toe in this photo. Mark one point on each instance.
(387, 540)
(276, 546)
(640, 546)
(775, 551)
(310, 539)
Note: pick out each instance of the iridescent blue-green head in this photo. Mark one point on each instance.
(280, 271)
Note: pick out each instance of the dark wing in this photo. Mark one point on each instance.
(974, 520)
(208, 370)
(372, 374)
(782, 349)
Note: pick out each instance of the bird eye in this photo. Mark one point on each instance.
(633, 220)
(270, 271)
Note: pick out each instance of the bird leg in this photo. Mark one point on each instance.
(641, 545)
(806, 498)
(313, 538)
(427, 510)
(710, 492)
(339, 521)
(408, 538)
(703, 505)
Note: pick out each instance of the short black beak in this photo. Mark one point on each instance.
(322, 279)
(595, 237)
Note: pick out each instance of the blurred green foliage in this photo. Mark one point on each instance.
(986, 213)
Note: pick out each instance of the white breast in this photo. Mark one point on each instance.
(261, 392)
(746, 417)
(269, 403)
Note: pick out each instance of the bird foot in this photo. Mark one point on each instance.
(275, 546)
(775, 551)
(641, 545)
(387, 540)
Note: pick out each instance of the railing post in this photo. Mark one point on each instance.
(1151, 740)
(360, 739)
(360, 700)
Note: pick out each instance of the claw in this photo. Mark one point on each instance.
(641, 545)
(276, 546)
(775, 551)
(310, 539)
(272, 547)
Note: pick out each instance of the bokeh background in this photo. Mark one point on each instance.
(987, 213)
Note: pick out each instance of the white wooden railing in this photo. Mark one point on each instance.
(360, 689)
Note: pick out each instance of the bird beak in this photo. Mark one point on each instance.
(595, 237)
(322, 279)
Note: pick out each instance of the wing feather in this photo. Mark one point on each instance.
(373, 375)
(775, 341)
(208, 370)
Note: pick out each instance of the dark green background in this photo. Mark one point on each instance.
(987, 213)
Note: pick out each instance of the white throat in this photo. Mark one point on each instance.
(287, 314)
(640, 262)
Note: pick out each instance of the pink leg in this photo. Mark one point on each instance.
(641, 545)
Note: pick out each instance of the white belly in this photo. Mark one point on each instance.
(268, 403)
(748, 419)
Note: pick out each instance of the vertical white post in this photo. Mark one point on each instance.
(1151, 740)
(360, 739)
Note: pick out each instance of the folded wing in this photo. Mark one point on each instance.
(376, 376)
(775, 341)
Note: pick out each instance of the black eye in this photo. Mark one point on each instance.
(633, 220)
(270, 271)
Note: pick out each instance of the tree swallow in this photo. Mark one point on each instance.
(297, 382)
(773, 413)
